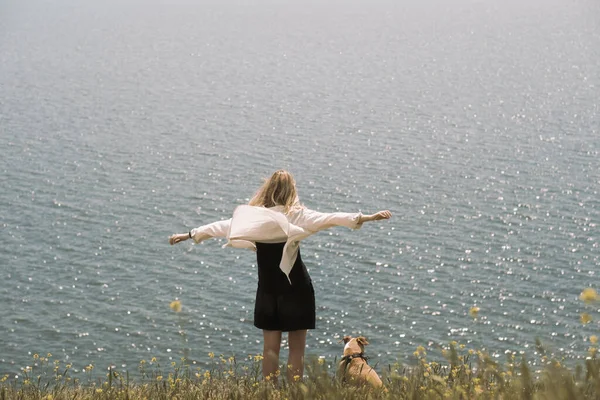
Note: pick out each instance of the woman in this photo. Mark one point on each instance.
(273, 223)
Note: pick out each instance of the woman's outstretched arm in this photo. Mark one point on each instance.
(216, 229)
(316, 221)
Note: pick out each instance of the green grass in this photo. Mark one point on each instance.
(466, 374)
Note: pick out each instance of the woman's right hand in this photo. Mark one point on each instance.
(381, 215)
(376, 217)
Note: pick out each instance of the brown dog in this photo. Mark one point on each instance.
(353, 367)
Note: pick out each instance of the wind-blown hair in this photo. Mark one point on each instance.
(278, 190)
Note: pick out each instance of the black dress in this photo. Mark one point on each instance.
(280, 306)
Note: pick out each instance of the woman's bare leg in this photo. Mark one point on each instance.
(270, 362)
(297, 342)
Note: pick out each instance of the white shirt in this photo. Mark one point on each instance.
(250, 224)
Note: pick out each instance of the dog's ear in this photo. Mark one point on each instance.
(362, 340)
(346, 339)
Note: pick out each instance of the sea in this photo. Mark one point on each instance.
(475, 122)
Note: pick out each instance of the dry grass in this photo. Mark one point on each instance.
(466, 374)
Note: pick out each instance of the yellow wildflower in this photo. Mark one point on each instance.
(258, 357)
(159, 378)
(98, 390)
(474, 311)
(296, 378)
(153, 359)
(593, 339)
(321, 361)
(49, 355)
(211, 354)
(585, 318)
(176, 306)
(207, 374)
(588, 295)
(36, 356)
(49, 397)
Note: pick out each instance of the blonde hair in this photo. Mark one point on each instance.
(278, 190)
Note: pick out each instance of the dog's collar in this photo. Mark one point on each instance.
(351, 357)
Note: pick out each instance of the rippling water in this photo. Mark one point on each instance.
(475, 122)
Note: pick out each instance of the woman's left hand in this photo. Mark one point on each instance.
(178, 237)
